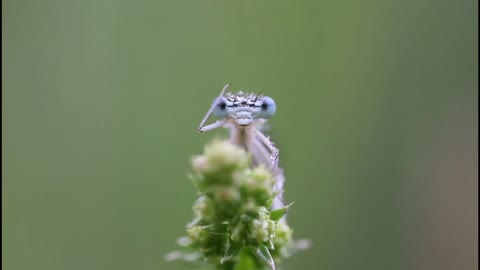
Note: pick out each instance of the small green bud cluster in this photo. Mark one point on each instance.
(232, 213)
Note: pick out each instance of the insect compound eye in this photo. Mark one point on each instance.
(268, 107)
(220, 107)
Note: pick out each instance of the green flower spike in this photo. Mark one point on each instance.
(234, 227)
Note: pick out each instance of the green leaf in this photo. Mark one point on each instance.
(217, 228)
(279, 213)
(263, 254)
(268, 204)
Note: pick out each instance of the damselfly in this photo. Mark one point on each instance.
(245, 115)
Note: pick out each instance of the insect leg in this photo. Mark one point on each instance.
(211, 126)
(260, 153)
(207, 115)
(270, 146)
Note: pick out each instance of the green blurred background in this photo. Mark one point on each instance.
(376, 122)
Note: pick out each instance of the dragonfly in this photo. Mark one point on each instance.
(246, 115)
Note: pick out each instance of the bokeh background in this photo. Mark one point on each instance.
(376, 123)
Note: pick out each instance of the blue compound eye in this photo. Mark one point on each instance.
(268, 107)
(220, 107)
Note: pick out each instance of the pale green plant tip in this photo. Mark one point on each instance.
(220, 156)
(233, 224)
